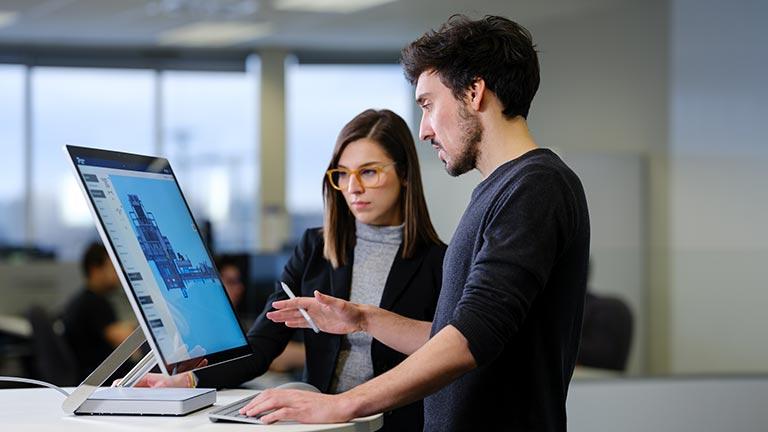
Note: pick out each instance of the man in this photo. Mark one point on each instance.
(91, 327)
(502, 348)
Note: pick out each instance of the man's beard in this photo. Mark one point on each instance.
(472, 134)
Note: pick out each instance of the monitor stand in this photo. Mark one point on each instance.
(89, 398)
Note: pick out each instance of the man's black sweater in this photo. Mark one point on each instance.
(514, 280)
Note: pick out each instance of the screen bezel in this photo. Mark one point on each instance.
(162, 166)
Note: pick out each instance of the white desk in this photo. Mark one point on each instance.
(40, 410)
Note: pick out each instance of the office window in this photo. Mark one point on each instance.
(11, 139)
(106, 108)
(210, 138)
(321, 99)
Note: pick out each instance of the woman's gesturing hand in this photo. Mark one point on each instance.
(331, 314)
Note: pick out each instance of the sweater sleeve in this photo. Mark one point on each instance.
(524, 231)
(266, 338)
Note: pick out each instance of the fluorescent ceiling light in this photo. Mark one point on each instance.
(334, 6)
(212, 34)
(7, 18)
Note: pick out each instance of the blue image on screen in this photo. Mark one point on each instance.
(181, 266)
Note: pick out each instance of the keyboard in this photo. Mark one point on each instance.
(231, 412)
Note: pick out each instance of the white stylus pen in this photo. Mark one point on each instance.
(302, 310)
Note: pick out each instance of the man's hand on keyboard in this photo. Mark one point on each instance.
(298, 405)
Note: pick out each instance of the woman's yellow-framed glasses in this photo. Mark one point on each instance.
(368, 176)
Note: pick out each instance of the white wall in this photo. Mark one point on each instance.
(602, 102)
(720, 253)
(603, 80)
(616, 195)
(719, 186)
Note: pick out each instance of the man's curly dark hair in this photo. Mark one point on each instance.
(493, 48)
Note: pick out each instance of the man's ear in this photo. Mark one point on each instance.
(476, 92)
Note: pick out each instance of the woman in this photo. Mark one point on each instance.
(377, 246)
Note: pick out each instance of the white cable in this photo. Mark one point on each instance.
(36, 382)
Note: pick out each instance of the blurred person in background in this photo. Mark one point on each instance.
(91, 325)
(292, 358)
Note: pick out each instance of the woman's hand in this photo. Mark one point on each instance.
(186, 379)
(331, 314)
(159, 380)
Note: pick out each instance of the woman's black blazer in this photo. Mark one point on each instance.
(411, 290)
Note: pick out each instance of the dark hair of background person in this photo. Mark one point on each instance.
(391, 132)
(243, 306)
(226, 260)
(495, 49)
(94, 256)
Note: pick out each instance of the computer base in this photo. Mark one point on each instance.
(146, 401)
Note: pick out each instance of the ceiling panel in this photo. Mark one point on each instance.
(137, 23)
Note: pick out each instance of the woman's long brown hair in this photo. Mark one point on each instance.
(391, 132)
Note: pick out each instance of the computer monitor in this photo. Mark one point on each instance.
(163, 264)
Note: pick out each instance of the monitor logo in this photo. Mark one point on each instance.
(80, 161)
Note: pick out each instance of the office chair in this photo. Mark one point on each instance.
(54, 361)
(606, 334)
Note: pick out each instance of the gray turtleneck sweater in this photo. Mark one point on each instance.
(375, 252)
